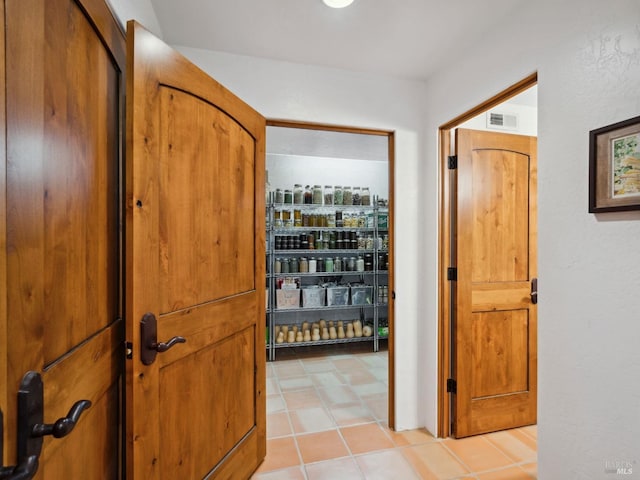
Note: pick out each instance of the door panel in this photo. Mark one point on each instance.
(64, 79)
(199, 246)
(495, 339)
(195, 251)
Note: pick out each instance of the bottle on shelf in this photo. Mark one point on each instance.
(298, 194)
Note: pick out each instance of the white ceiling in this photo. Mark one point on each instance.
(404, 38)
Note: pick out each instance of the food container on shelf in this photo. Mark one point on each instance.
(313, 297)
(287, 298)
(361, 295)
(338, 295)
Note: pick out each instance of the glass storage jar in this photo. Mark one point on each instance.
(365, 196)
(279, 196)
(337, 195)
(298, 194)
(328, 195)
(357, 199)
(347, 196)
(288, 196)
(317, 195)
(308, 195)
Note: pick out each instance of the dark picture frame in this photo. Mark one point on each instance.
(614, 167)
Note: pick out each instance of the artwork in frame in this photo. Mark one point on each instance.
(614, 167)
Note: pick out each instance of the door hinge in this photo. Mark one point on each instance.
(453, 162)
(452, 386)
(452, 274)
(128, 349)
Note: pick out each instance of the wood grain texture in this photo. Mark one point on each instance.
(3, 235)
(495, 334)
(64, 63)
(195, 253)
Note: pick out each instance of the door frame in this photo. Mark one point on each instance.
(445, 239)
(390, 134)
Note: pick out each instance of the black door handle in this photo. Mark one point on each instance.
(63, 426)
(534, 290)
(149, 345)
(163, 347)
(31, 427)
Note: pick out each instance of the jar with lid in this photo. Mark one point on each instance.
(298, 194)
(277, 266)
(297, 217)
(365, 196)
(328, 195)
(308, 195)
(285, 268)
(277, 218)
(313, 264)
(357, 198)
(304, 265)
(360, 264)
(337, 195)
(293, 265)
(331, 220)
(288, 196)
(317, 195)
(369, 245)
(287, 221)
(279, 196)
(337, 264)
(328, 265)
(339, 222)
(352, 264)
(347, 196)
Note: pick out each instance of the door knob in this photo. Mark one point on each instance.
(149, 345)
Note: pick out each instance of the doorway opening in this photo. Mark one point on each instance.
(331, 158)
(493, 116)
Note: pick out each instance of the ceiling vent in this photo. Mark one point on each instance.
(502, 121)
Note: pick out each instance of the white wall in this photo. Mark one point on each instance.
(139, 10)
(587, 54)
(527, 120)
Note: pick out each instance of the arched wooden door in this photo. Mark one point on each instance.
(495, 331)
(195, 251)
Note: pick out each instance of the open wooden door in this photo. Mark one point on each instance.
(495, 331)
(62, 307)
(195, 268)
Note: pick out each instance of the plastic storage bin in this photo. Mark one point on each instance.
(337, 296)
(287, 298)
(362, 295)
(313, 297)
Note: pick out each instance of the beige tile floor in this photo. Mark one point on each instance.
(327, 419)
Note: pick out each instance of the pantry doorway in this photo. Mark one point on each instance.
(301, 157)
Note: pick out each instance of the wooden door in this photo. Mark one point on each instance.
(195, 243)
(495, 333)
(64, 63)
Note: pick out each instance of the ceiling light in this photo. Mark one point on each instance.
(338, 3)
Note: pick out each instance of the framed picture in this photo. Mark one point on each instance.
(614, 167)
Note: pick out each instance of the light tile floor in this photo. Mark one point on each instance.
(327, 419)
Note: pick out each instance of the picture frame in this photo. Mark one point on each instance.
(614, 167)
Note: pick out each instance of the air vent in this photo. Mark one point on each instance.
(502, 121)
